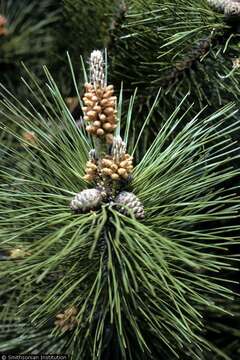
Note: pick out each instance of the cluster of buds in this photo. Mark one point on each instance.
(118, 165)
(109, 167)
(91, 170)
(116, 170)
(99, 101)
(3, 22)
(100, 111)
(67, 320)
(18, 253)
(91, 167)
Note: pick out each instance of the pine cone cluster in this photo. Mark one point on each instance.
(100, 111)
(117, 169)
(126, 201)
(110, 166)
(67, 320)
(3, 22)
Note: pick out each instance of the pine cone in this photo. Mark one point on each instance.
(131, 201)
(230, 7)
(86, 200)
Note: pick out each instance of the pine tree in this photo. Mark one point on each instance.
(132, 258)
(106, 257)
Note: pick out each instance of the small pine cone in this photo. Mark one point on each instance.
(86, 200)
(131, 201)
(230, 7)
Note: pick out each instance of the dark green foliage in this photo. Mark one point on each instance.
(180, 46)
(86, 23)
(83, 26)
(28, 39)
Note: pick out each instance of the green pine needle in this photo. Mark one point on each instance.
(147, 283)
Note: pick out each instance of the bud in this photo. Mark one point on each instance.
(100, 132)
(18, 253)
(66, 320)
(97, 76)
(118, 149)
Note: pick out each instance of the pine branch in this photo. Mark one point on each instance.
(132, 280)
(181, 47)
